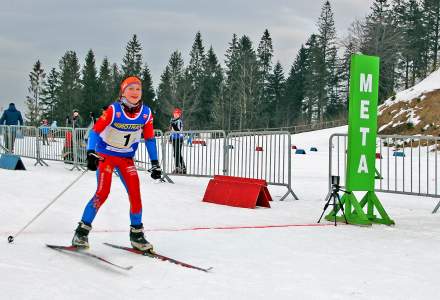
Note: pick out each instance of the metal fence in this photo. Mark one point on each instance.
(142, 159)
(4, 139)
(262, 155)
(56, 144)
(23, 140)
(194, 153)
(404, 164)
(79, 146)
(298, 128)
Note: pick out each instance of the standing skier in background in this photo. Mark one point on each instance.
(176, 125)
(112, 144)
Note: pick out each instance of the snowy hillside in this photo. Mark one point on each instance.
(251, 258)
(413, 111)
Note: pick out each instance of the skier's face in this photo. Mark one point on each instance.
(133, 93)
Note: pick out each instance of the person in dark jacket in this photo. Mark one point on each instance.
(76, 121)
(176, 125)
(11, 116)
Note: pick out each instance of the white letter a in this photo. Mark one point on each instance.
(363, 165)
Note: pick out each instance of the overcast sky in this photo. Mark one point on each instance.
(46, 29)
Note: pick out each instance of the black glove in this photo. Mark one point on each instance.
(92, 160)
(155, 170)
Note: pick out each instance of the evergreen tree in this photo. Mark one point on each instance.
(344, 73)
(276, 91)
(164, 96)
(132, 61)
(264, 55)
(431, 15)
(326, 80)
(90, 88)
(36, 79)
(295, 89)
(70, 86)
(116, 78)
(412, 44)
(176, 68)
(382, 39)
(173, 88)
(312, 80)
(400, 23)
(229, 115)
(106, 84)
(212, 91)
(417, 41)
(248, 83)
(49, 94)
(147, 88)
(195, 77)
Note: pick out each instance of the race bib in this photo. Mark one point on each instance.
(121, 139)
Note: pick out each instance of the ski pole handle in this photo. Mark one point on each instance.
(97, 156)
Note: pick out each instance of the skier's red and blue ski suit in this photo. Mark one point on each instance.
(115, 137)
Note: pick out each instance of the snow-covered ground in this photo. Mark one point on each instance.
(296, 262)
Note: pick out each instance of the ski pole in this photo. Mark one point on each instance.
(12, 237)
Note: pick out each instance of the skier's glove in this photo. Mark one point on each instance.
(155, 170)
(92, 160)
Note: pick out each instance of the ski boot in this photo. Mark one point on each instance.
(80, 239)
(138, 240)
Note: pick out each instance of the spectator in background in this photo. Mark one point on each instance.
(11, 116)
(44, 130)
(176, 126)
(92, 119)
(53, 128)
(76, 120)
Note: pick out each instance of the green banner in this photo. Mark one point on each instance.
(362, 123)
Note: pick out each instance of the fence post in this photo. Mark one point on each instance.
(225, 154)
(74, 150)
(164, 158)
(5, 133)
(289, 170)
(39, 161)
(10, 147)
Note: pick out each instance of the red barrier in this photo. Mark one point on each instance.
(68, 140)
(237, 192)
(200, 142)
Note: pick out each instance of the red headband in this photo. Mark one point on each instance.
(129, 81)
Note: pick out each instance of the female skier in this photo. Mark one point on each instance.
(112, 144)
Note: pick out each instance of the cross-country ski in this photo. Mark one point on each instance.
(85, 252)
(153, 254)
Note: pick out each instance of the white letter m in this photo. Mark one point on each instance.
(366, 83)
